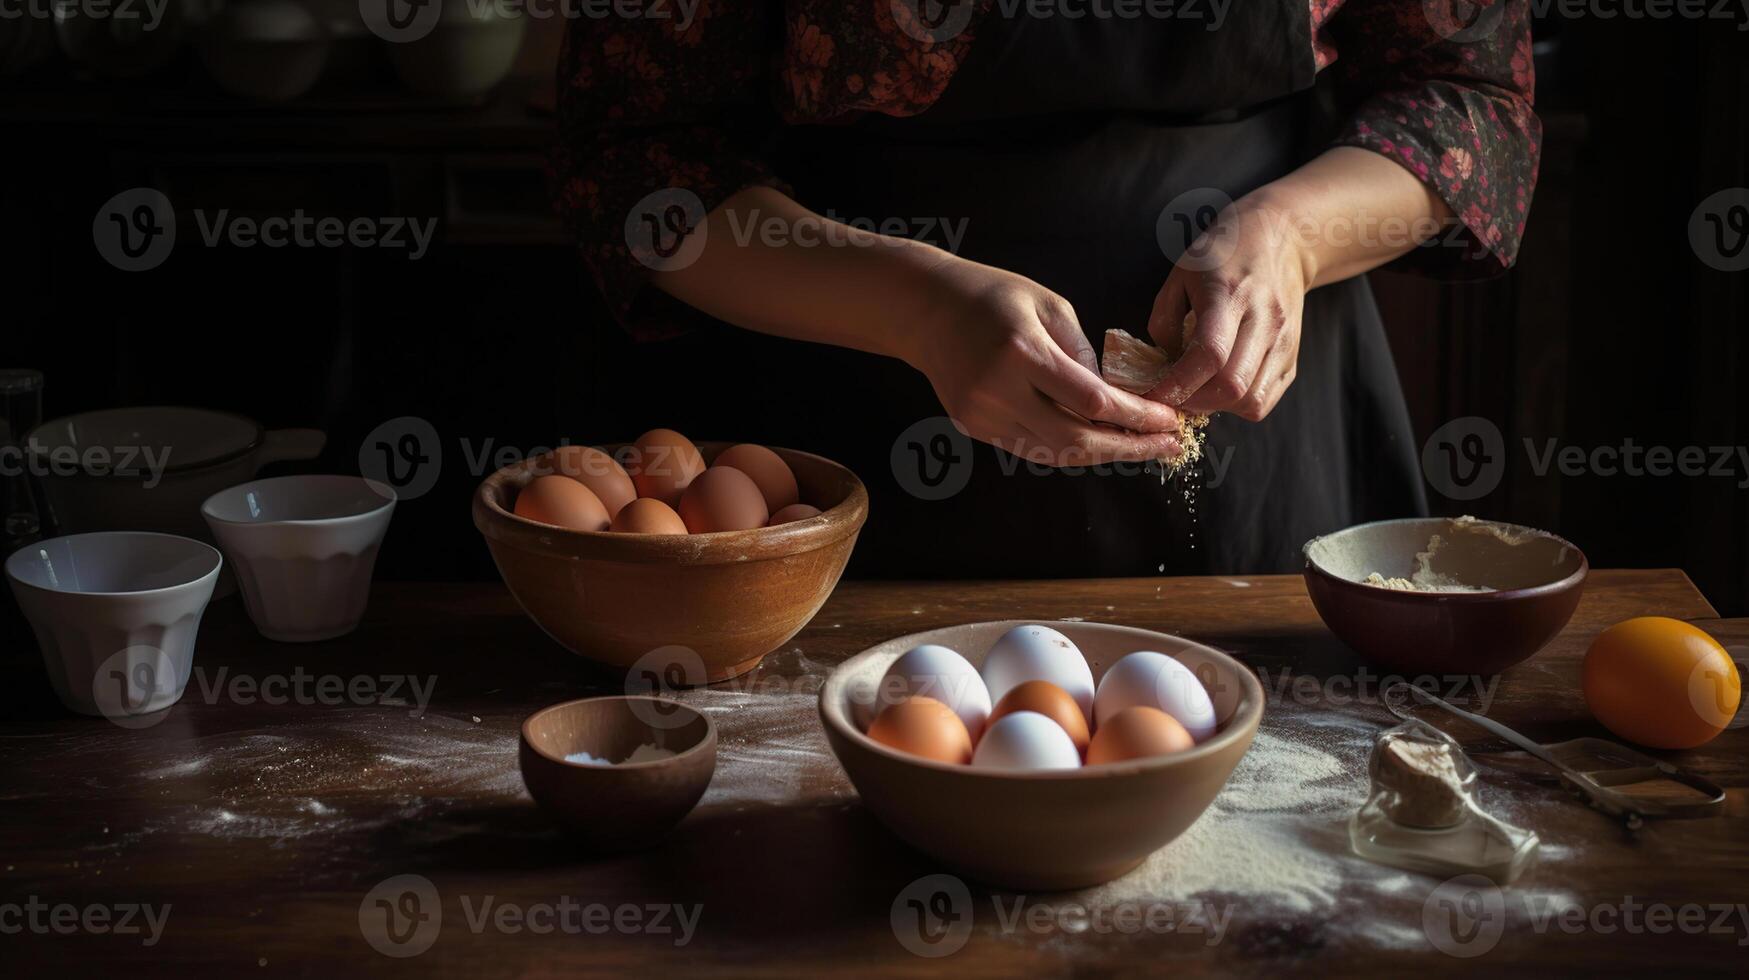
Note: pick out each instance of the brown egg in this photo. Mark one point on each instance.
(561, 502)
(923, 727)
(722, 499)
(647, 516)
(662, 463)
(598, 471)
(1049, 700)
(1137, 733)
(794, 512)
(767, 469)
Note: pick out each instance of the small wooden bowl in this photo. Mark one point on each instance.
(1537, 584)
(1053, 829)
(626, 806)
(728, 598)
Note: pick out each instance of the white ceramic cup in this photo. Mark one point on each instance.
(116, 614)
(148, 468)
(302, 548)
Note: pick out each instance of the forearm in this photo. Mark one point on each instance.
(771, 265)
(1350, 211)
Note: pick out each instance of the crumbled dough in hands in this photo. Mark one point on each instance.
(1137, 366)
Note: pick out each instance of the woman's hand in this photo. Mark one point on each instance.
(1342, 214)
(1242, 353)
(1011, 366)
(1004, 354)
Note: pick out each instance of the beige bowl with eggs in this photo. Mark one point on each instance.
(693, 608)
(1053, 829)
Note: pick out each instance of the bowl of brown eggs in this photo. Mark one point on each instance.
(699, 558)
(1040, 757)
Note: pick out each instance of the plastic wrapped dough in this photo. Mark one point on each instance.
(1422, 813)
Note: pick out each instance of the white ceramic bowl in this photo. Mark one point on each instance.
(1044, 829)
(116, 614)
(269, 50)
(303, 548)
(466, 53)
(149, 468)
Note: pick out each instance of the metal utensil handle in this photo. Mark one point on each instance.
(1487, 725)
(1597, 793)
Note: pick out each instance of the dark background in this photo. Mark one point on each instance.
(1609, 328)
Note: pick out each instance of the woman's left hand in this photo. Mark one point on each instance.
(1248, 294)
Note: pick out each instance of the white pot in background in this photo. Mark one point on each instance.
(302, 548)
(116, 614)
(458, 51)
(267, 50)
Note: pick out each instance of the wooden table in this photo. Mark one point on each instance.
(264, 827)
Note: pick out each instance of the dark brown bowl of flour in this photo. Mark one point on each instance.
(1438, 595)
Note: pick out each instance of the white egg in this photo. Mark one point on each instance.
(1038, 653)
(1156, 681)
(1026, 740)
(932, 671)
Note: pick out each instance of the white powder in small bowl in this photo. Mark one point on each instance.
(643, 753)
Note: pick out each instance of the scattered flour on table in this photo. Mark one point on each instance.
(768, 733)
(1275, 843)
(295, 781)
(1266, 837)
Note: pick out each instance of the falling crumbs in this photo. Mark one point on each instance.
(1137, 366)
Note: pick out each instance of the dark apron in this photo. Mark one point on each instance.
(1059, 143)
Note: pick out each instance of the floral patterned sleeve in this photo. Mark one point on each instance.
(654, 106)
(1451, 101)
(680, 109)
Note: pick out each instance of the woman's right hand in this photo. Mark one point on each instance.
(1005, 355)
(1011, 366)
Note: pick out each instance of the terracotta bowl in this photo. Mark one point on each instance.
(1536, 577)
(625, 806)
(1042, 830)
(713, 604)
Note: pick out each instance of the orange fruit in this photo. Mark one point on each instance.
(1661, 682)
